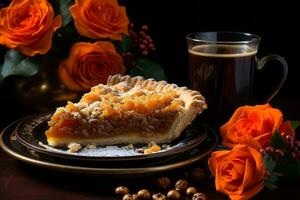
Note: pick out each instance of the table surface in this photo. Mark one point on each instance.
(23, 181)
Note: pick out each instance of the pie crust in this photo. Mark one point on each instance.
(128, 110)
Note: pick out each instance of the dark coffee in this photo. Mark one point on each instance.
(223, 74)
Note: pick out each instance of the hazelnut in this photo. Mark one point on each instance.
(191, 191)
(164, 183)
(197, 174)
(173, 195)
(199, 196)
(144, 194)
(127, 197)
(181, 185)
(159, 196)
(121, 190)
(135, 197)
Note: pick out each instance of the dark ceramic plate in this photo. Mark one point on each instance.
(11, 145)
(30, 132)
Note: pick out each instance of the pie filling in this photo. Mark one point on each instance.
(147, 110)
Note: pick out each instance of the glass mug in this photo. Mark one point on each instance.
(222, 66)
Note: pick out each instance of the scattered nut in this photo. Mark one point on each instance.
(199, 196)
(191, 191)
(121, 190)
(144, 194)
(197, 174)
(164, 183)
(127, 197)
(159, 196)
(173, 195)
(135, 197)
(181, 185)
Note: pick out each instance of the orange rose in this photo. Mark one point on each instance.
(100, 19)
(258, 121)
(28, 25)
(239, 172)
(90, 64)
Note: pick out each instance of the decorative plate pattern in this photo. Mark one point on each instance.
(11, 145)
(30, 133)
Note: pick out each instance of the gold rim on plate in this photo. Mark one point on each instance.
(102, 171)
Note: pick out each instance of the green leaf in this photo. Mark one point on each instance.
(269, 163)
(16, 64)
(148, 69)
(126, 43)
(62, 7)
(123, 45)
(270, 181)
(295, 124)
(277, 141)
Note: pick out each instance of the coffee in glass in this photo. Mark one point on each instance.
(221, 67)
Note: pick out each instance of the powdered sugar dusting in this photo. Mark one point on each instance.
(99, 151)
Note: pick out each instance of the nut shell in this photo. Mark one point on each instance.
(159, 196)
(191, 191)
(127, 197)
(181, 185)
(121, 190)
(199, 196)
(173, 195)
(143, 194)
(164, 183)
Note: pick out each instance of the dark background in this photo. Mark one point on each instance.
(170, 21)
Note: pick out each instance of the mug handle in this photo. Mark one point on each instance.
(262, 62)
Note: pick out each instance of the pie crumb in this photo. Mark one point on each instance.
(154, 148)
(129, 147)
(91, 146)
(74, 147)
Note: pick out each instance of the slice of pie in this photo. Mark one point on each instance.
(128, 110)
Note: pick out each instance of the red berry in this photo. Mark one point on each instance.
(269, 149)
(142, 46)
(297, 143)
(283, 134)
(279, 152)
(267, 173)
(145, 28)
(145, 52)
(142, 33)
(145, 42)
(262, 151)
(289, 139)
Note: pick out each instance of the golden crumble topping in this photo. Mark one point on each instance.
(120, 100)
